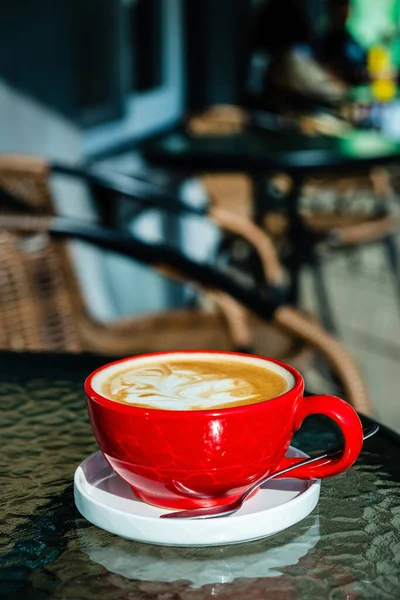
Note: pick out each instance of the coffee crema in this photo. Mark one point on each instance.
(193, 384)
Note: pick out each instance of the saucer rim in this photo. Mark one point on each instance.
(311, 490)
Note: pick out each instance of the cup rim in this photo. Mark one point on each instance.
(94, 396)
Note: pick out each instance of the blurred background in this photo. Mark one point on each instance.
(108, 86)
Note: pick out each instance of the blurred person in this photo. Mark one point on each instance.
(280, 24)
(338, 51)
(283, 30)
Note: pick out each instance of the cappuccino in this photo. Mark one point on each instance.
(173, 383)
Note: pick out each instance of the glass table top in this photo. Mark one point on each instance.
(348, 548)
(259, 151)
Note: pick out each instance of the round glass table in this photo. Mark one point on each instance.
(348, 548)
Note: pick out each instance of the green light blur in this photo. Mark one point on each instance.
(371, 20)
(364, 144)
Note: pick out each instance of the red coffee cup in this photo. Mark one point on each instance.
(182, 459)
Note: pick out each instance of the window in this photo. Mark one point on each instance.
(149, 73)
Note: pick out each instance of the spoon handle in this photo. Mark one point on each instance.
(216, 511)
(368, 432)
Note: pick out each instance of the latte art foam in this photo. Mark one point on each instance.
(193, 385)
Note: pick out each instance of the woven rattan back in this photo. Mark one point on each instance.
(39, 298)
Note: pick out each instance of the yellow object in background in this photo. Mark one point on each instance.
(384, 90)
(382, 73)
(379, 61)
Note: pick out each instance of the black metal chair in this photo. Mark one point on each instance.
(254, 315)
(32, 279)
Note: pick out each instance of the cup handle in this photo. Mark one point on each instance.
(349, 422)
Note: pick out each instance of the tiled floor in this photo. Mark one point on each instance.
(367, 312)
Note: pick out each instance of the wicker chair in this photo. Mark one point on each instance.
(41, 307)
(30, 245)
(25, 186)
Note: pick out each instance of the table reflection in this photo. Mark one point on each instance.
(201, 566)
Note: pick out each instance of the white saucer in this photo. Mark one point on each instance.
(105, 500)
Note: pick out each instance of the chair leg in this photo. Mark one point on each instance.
(299, 239)
(392, 253)
(353, 260)
(323, 300)
(171, 229)
(325, 312)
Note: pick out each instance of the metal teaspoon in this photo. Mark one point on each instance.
(229, 509)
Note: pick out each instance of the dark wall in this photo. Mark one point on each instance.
(64, 53)
(36, 53)
(217, 44)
